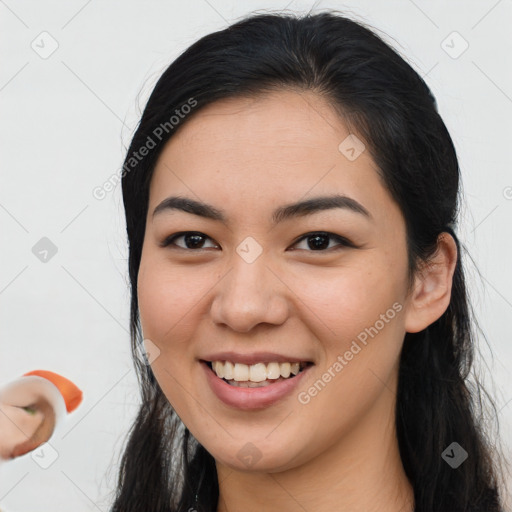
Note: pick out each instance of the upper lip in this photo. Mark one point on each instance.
(253, 358)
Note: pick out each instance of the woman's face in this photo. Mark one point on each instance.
(252, 288)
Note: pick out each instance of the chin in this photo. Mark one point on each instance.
(247, 456)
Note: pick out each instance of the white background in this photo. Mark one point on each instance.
(65, 124)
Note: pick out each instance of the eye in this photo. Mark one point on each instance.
(317, 241)
(320, 240)
(192, 239)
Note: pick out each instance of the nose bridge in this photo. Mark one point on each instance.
(250, 293)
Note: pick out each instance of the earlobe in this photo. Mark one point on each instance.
(432, 287)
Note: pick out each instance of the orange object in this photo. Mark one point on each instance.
(71, 393)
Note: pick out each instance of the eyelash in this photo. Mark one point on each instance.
(343, 242)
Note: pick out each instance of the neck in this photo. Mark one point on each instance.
(362, 472)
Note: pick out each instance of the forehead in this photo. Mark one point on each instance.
(296, 123)
(253, 153)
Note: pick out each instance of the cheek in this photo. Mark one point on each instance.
(168, 299)
(358, 319)
(343, 302)
(168, 305)
(358, 372)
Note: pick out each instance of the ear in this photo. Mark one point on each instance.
(432, 286)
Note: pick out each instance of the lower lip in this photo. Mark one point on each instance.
(251, 398)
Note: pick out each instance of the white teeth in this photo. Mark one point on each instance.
(218, 368)
(241, 371)
(285, 370)
(258, 372)
(229, 370)
(294, 368)
(273, 371)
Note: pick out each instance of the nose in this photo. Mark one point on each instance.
(250, 294)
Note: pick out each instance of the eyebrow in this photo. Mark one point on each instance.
(285, 212)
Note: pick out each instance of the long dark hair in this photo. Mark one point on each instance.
(389, 106)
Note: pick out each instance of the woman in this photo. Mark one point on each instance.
(291, 196)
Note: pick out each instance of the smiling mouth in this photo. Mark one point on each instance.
(257, 375)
